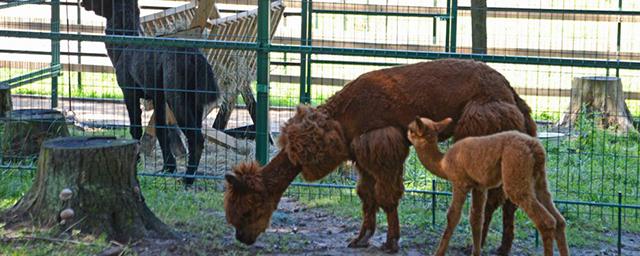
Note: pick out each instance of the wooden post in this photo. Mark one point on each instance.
(88, 184)
(602, 98)
(206, 10)
(26, 129)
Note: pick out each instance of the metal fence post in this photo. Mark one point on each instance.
(447, 32)
(619, 223)
(618, 40)
(305, 58)
(304, 13)
(309, 41)
(262, 126)
(454, 25)
(433, 203)
(55, 49)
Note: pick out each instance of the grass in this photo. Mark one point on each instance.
(592, 165)
(200, 214)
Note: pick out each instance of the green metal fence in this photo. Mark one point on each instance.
(593, 172)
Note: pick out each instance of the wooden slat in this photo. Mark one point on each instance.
(206, 10)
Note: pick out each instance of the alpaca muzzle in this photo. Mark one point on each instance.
(245, 238)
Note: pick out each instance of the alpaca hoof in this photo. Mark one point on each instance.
(390, 246)
(359, 243)
(502, 251)
(362, 240)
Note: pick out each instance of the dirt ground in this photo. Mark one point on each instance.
(298, 230)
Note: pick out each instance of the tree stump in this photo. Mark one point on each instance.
(88, 184)
(601, 98)
(5, 102)
(26, 129)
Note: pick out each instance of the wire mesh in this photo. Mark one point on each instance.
(541, 47)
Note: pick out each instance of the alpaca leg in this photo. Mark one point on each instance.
(190, 120)
(544, 221)
(545, 198)
(131, 98)
(495, 198)
(380, 154)
(366, 192)
(388, 196)
(476, 212)
(453, 217)
(508, 220)
(162, 133)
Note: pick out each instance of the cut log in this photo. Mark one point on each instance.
(601, 98)
(88, 184)
(26, 129)
(5, 102)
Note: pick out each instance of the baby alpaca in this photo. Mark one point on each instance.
(512, 159)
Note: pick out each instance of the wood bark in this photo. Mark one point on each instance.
(600, 98)
(479, 26)
(102, 192)
(26, 129)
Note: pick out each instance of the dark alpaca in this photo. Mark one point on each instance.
(366, 122)
(179, 77)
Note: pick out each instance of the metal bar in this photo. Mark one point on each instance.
(79, 23)
(55, 49)
(454, 25)
(619, 223)
(262, 124)
(556, 11)
(618, 39)
(18, 3)
(308, 77)
(378, 13)
(54, 70)
(134, 40)
(447, 33)
(304, 16)
(440, 55)
(433, 203)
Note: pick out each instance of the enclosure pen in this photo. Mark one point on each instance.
(576, 65)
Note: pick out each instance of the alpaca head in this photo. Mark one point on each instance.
(426, 131)
(313, 141)
(246, 202)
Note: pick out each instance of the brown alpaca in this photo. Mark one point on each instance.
(511, 159)
(366, 122)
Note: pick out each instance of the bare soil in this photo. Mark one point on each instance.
(298, 230)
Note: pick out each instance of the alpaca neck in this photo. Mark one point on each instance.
(431, 157)
(278, 175)
(124, 19)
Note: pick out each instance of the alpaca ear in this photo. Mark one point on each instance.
(442, 125)
(236, 182)
(420, 124)
(302, 109)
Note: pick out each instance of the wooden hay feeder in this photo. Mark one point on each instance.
(235, 69)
